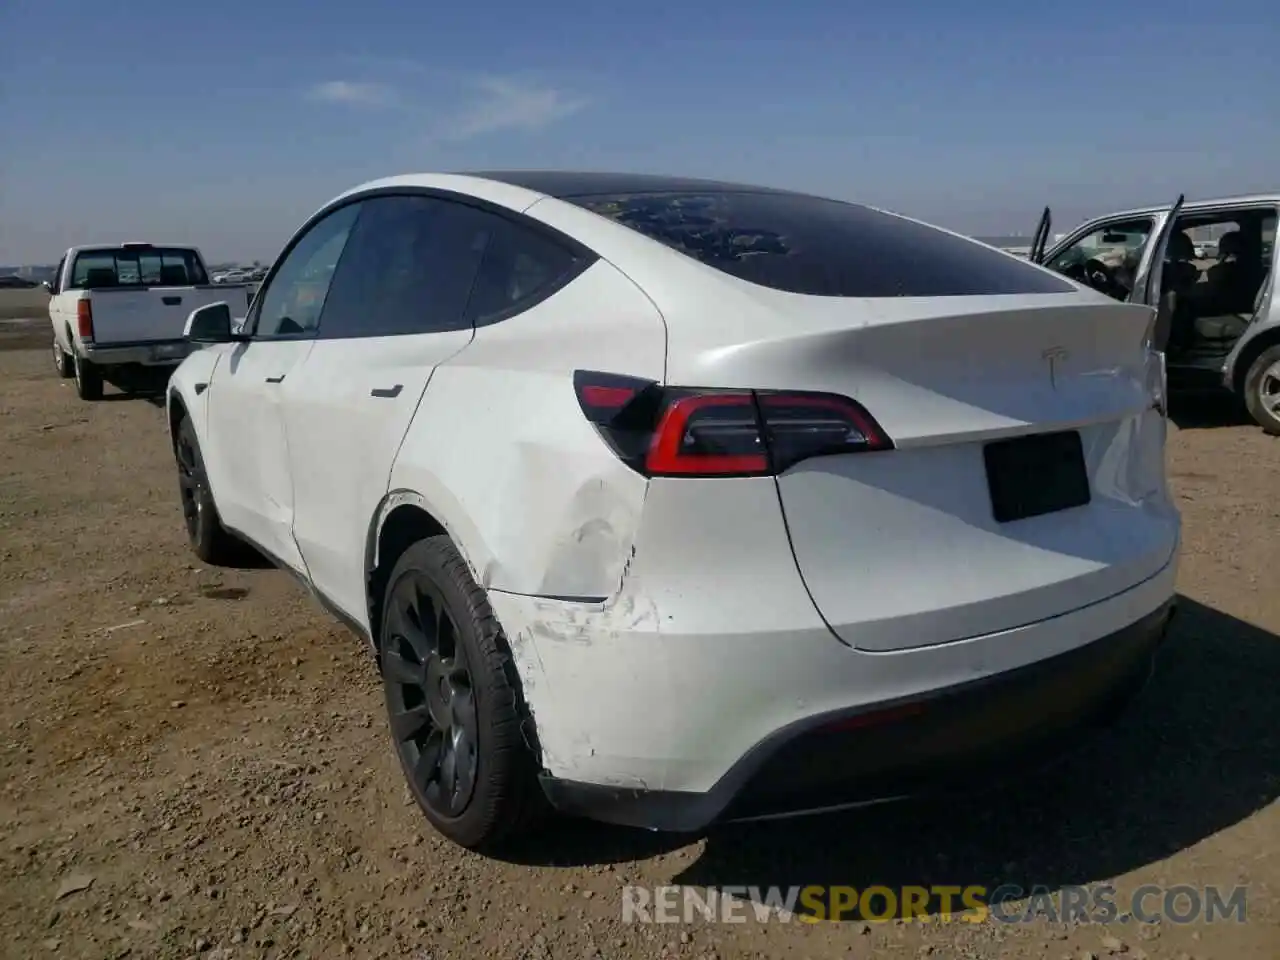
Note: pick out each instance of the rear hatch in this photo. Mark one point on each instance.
(1026, 480)
(1025, 477)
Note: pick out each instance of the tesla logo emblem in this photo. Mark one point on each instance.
(1054, 356)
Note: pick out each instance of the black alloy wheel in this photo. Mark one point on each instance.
(459, 724)
(191, 484)
(209, 539)
(431, 698)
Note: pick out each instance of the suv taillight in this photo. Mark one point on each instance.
(686, 432)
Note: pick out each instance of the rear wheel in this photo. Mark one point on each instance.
(61, 362)
(1262, 390)
(88, 378)
(209, 539)
(453, 700)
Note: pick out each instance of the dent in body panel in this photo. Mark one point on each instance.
(603, 633)
(594, 540)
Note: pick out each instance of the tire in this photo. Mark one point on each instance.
(88, 378)
(209, 539)
(1262, 390)
(62, 362)
(475, 711)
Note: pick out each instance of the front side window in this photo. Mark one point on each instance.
(819, 247)
(291, 303)
(408, 268)
(1106, 258)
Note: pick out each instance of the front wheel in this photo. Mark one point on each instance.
(62, 362)
(1262, 390)
(453, 700)
(88, 378)
(209, 539)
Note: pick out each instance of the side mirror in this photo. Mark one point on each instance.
(48, 287)
(209, 324)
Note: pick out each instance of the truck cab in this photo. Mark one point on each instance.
(1208, 266)
(124, 306)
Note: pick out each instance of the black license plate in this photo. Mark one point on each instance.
(1032, 476)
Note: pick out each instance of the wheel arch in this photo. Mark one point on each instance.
(402, 518)
(175, 413)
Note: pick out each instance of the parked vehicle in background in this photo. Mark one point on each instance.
(11, 282)
(652, 505)
(1220, 322)
(115, 307)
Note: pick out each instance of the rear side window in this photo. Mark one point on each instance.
(125, 267)
(819, 247)
(408, 268)
(520, 268)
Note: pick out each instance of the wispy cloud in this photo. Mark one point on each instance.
(358, 93)
(506, 104)
(453, 108)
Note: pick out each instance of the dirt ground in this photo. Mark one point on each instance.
(194, 761)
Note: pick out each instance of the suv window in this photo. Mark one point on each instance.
(408, 268)
(810, 245)
(290, 304)
(520, 267)
(1116, 245)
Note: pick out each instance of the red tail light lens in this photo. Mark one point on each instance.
(803, 425)
(681, 432)
(708, 434)
(84, 319)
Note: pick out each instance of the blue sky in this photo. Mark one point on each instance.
(225, 124)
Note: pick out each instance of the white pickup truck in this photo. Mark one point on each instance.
(122, 306)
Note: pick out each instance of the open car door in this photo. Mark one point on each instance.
(1150, 272)
(1040, 239)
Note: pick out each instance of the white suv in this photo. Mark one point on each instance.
(671, 501)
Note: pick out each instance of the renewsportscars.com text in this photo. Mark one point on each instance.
(1008, 903)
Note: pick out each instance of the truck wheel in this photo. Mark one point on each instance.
(61, 362)
(453, 700)
(209, 539)
(1262, 390)
(88, 378)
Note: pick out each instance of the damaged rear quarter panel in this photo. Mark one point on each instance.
(499, 444)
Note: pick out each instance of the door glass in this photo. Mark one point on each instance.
(1106, 258)
(1216, 267)
(519, 267)
(291, 303)
(408, 269)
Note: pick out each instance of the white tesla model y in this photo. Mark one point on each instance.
(671, 501)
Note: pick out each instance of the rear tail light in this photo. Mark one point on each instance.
(84, 319)
(682, 432)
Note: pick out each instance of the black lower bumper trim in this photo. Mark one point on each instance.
(952, 740)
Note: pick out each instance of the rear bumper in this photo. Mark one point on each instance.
(150, 353)
(956, 738)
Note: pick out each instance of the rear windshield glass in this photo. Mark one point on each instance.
(152, 267)
(810, 245)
